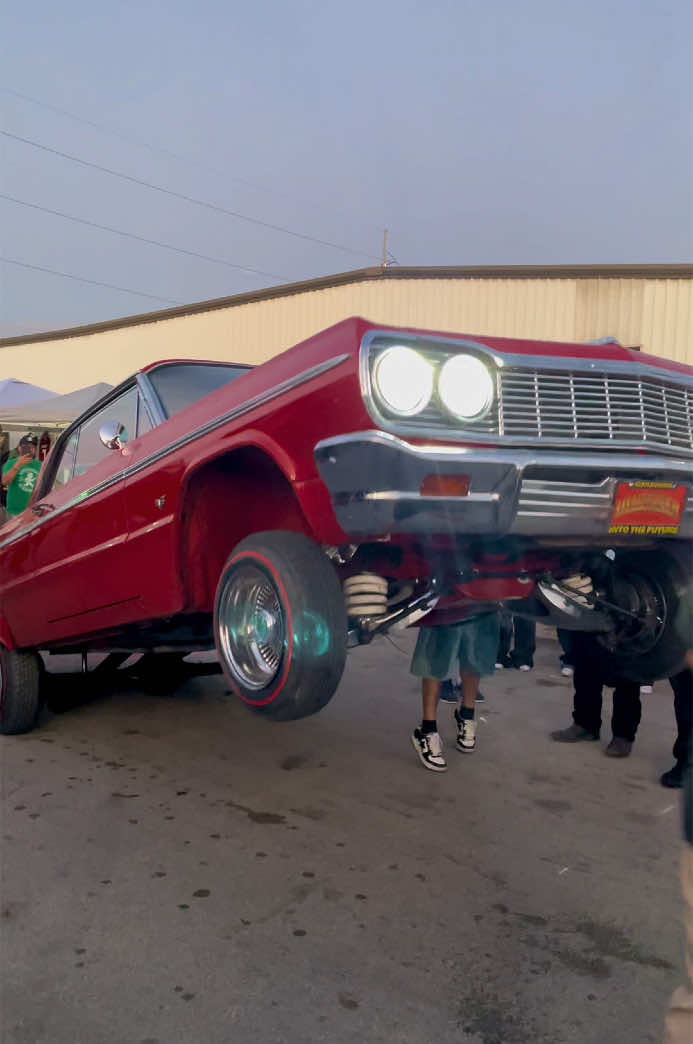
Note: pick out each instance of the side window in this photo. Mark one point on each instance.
(66, 464)
(90, 449)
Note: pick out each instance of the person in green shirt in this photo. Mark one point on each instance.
(19, 475)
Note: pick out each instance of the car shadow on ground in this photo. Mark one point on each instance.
(63, 691)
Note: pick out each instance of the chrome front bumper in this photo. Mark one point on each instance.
(374, 480)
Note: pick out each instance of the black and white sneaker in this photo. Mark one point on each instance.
(429, 747)
(466, 734)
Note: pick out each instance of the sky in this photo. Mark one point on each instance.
(477, 133)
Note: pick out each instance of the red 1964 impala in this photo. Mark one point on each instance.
(367, 479)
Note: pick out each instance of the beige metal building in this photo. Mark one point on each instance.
(648, 306)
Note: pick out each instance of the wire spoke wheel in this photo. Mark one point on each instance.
(252, 627)
(650, 638)
(644, 597)
(280, 625)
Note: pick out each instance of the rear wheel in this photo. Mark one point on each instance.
(280, 625)
(20, 683)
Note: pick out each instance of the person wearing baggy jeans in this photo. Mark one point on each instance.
(469, 648)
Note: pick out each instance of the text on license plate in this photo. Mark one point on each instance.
(647, 509)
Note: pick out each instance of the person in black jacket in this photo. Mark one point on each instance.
(679, 1020)
(682, 684)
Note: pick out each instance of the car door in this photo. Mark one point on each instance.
(76, 577)
(153, 487)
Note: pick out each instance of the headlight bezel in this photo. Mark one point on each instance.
(435, 419)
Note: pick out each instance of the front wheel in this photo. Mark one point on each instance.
(651, 642)
(20, 683)
(280, 625)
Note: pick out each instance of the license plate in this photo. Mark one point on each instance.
(647, 509)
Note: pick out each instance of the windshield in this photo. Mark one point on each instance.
(181, 384)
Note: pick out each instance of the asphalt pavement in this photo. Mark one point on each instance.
(176, 870)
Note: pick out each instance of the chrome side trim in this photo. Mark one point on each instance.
(397, 494)
(86, 494)
(250, 404)
(261, 399)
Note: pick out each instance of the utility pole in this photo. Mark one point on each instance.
(383, 261)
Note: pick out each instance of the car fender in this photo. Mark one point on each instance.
(206, 534)
(245, 439)
(6, 638)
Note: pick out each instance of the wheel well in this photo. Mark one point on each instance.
(224, 501)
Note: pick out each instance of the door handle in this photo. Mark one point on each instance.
(43, 509)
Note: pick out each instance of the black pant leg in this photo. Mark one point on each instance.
(682, 684)
(587, 682)
(506, 636)
(566, 639)
(627, 710)
(525, 641)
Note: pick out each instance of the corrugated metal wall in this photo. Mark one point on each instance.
(656, 314)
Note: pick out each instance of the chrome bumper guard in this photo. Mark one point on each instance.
(375, 479)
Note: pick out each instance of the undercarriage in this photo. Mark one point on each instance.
(630, 600)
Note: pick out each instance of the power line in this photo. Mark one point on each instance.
(93, 282)
(132, 139)
(188, 199)
(141, 239)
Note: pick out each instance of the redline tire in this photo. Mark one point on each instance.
(20, 687)
(280, 625)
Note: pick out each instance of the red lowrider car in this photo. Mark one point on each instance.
(360, 481)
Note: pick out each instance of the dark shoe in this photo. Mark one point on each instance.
(618, 748)
(674, 777)
(573, 734)
(449, 692)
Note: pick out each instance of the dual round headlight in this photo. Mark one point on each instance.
(465, 387)
(405, 381)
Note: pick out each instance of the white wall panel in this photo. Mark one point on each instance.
(656, 314)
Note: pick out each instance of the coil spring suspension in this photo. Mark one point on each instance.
(366, 595)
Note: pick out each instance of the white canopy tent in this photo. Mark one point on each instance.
(15, 393)
(51, 414)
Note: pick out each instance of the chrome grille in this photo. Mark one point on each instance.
(575, 407)
(436, 418)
